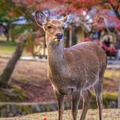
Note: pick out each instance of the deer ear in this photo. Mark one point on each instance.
(68, 19)
(40, 18)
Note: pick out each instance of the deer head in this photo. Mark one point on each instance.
(54, 29)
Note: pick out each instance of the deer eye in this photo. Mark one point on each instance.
(63, 28)
(49, 27)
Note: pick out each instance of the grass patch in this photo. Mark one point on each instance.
(8, 47)
(14, 94)
(107, 97)
(108, 83)
(113, 75)
(30, 79)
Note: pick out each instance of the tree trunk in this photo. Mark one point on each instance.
(116, 11)
(7, 36)
(7, 32)
(12, 37)
(5, 76)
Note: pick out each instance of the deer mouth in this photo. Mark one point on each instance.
(57, 40)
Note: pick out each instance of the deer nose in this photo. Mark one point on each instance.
(59, 35)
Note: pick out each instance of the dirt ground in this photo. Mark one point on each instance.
(108, 114)
(31, 76)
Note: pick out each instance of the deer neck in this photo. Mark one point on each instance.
(56, 57)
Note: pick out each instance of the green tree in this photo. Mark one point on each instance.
(11, 11)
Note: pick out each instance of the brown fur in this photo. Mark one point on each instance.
(74, 70)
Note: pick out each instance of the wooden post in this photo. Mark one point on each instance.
(80, 35)
(70, 36)
(44, 47)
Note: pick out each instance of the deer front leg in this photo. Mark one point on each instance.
(75, 103)
(60, 100)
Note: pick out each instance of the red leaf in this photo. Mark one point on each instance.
(45, 119)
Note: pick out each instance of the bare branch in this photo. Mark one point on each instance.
(91, 16)
(2, 25)
(105, 22)
(114, 8)
(83, 24)
(14, 21)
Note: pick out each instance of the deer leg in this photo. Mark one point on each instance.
(86, 102)
(60, 100)
(75, 103)
(98, 92)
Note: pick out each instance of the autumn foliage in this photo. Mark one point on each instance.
(15, 9)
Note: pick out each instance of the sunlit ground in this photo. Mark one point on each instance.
(108, 114)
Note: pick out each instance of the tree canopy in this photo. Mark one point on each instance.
(12, 10)
(97, 10)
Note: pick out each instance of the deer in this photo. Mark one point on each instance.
(74, 70)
